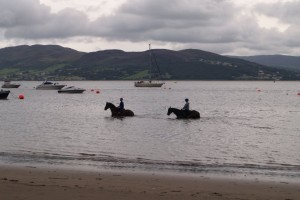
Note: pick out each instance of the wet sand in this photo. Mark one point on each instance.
(42, 184)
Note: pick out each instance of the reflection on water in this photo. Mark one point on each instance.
(241, 130)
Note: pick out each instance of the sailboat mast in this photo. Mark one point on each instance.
(150, 63)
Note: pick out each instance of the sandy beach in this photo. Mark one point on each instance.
(38, 184)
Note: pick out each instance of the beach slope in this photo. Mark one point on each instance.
(47, 184)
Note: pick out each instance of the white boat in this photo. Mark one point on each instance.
(150, 82)
(8, 84)
(47, 85)
(71, 89)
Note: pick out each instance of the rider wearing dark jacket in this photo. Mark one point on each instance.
(186, 107)
(121, 105)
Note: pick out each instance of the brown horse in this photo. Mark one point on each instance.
(115, 111)
(182, 114)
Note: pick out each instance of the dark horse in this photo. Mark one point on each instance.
(182, 114)
(115, 111)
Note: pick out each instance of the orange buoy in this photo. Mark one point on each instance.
(21, 96)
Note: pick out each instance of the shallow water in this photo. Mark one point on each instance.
(241, 131)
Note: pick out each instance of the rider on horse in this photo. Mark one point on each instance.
(121, 106)
(186, 107)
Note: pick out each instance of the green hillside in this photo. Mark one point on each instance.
(39, 62)
(278, 61)
(36, 60)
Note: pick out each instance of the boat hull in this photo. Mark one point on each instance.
(71, 91)
(148, 84)
(49, 87)
(4, 94)
(10, 85)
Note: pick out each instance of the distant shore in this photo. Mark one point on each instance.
(36, 183)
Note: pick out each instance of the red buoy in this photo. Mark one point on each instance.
(92, 90)
(21, 96)
(298, 93)
(97, 91)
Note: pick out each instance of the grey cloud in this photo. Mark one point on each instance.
(22, 13)
(29, 19)
(287, 12)
(170, 20)
(216, 25)
(66, 23)
(181, 21)
(204, 10)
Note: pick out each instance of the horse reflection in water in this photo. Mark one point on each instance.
(181, 114)
(115, 111)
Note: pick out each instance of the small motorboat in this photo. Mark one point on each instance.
(71, 89)
(4, 94)
(8, 84)
(47, 85)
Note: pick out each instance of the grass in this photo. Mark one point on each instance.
(54, 67)
(139, 75)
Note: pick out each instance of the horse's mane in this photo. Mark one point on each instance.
(111, 104)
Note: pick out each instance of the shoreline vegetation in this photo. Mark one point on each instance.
(36, 183)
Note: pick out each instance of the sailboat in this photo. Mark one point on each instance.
(150, 82)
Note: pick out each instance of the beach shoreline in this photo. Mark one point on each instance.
(49, 183)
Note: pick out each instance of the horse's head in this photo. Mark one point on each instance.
(109, 105)
(169, 111)
(106, 106)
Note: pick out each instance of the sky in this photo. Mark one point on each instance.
(227, 27)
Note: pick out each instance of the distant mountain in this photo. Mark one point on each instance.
(278, 61)
(36, 56)
(33, 62)
(52, 62)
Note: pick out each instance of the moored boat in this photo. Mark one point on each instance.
(8, 84)
(4, 94)
(71, 89)
(148, 84)
(153, 73)
(47, 85)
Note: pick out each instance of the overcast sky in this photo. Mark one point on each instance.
(236, 27)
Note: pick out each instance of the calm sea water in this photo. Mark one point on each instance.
(241, 131)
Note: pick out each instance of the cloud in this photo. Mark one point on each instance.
(22, 12)
(175, 21)
(66, 23)
(29, 19)
(136, 20)
(217, 25)
(287, 13)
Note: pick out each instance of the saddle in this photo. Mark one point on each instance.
(185, 113)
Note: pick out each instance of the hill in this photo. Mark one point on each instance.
(35, 60)
(39, 62)
(278, 61)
